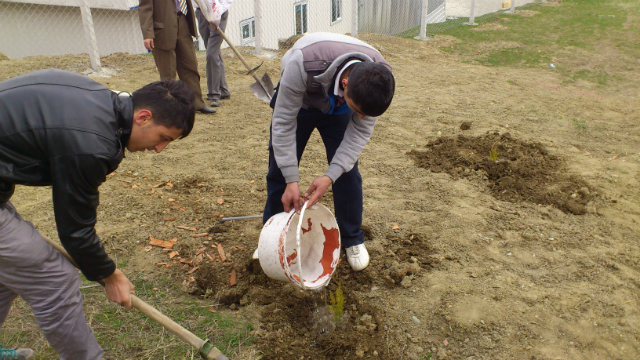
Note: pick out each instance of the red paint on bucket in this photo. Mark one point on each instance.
(309, 229)
(331, 242)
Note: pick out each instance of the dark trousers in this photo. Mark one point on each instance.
(347, 190)
(216, 80)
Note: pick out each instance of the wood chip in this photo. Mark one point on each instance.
(223, 257)
(186, 228)
(200, 235)
(165, 264)
(161, 243)
(213, 311)
(200, 251)
(187, 261)
(173, 254)
(209, 256)
(232, 278)
(171, 200)
(170, 219)
(395, 227)
(192, 270)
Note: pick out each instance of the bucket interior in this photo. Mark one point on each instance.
(319, 247)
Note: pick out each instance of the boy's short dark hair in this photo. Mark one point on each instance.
(371, 87)
(171, 102)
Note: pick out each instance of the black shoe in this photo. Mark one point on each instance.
(207, 110)
(215, 103)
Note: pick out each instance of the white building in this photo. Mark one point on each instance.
(55, 27)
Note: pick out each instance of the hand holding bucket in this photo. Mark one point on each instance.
(302, 249)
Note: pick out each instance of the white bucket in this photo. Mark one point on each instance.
(305, 252)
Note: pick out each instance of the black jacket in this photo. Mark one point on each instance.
(65, 130)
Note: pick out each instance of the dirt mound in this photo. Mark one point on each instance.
(515, 170)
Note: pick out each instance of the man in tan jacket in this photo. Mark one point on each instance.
(167, 29)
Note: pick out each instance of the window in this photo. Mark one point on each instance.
(336, 10)
(248, 30)
(301, 17)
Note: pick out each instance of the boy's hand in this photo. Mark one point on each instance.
(291, 197)
(119, 289)
(318, 187)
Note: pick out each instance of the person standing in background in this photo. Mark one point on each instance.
(167, 28)
(216, 80)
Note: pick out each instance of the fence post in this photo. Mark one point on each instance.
(354, 18)
(423, 21)
(90, 35)
(257, 10)
(472, 16)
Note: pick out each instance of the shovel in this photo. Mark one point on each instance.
(262, 88)
(205, 348)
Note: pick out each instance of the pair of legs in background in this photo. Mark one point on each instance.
(48, 283)
(181, 61)
(347, 190)
(216, 80)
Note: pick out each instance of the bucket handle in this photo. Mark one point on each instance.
(299, 230)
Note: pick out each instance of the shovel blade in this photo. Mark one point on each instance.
(263, 90)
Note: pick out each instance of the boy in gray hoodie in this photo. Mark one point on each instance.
(338, 85)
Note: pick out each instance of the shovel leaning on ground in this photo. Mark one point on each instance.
(263, 87)
(205, 348)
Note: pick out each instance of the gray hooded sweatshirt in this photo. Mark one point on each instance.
(308, 71)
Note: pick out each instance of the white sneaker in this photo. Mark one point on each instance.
(255, 254)
(358, 257)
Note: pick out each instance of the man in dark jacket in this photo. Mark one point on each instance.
(64, 130)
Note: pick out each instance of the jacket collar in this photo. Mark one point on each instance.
(123, 108)
(326, 78)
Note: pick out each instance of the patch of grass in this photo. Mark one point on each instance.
(132, 335)
(337, 303)
(550, 34)
(581, 125)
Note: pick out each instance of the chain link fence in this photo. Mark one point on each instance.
(105, 35)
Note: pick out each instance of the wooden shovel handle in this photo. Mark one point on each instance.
(184, 334)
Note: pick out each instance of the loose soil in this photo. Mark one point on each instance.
(529, 254)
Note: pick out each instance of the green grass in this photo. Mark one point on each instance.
(571, 33)
(130, 334)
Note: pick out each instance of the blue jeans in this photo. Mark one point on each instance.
(347, 190)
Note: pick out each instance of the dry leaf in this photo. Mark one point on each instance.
(200, 251)
(200, 185)
(162, 263)
(169, 184)
(148, 248)
(158, 185)
(186, 228)
(127, 181)
(209, 256)
(213, 311)
(395, 227)
(221, 252)
(187, 261)
(232, 278)
(190, 280)
(252, 181)
(160, 243)
(170, 219)
(134, 186)
(179, 208)
(192, 270)
(220, 201)
(156, 289)
(173, 254)
(445, 342)
(200, 235)
(171, 200)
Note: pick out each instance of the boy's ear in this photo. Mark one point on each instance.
(142, 117)
(345, 81)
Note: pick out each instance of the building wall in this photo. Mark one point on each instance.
(35, 29)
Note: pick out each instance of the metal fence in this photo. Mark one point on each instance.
(81, 35)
